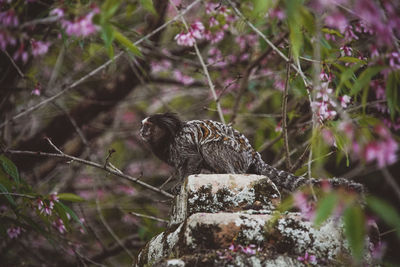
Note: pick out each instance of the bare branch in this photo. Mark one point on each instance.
(93, 164)
(284, 117)
(148, 217)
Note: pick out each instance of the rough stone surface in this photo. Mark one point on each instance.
(224, 192)
(230, 220)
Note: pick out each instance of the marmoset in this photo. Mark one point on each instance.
(190, 146)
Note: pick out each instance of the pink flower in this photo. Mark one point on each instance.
(21, 53)
(336, 20)
(83, 26)
(213, 22)
(13, 232)
(344, 100)
(328, 137)
(394, 60)
(39, 47)
(9, 19)
(211, 8)
(185, 39)
(249, 250)
(36, 90)
(186, 80)
(214, 37)
(308, 259)
(197, 30)
(346, 51)
(59, 225)
(306, 208)
(160, 66)
(58, 12)
(383, 151)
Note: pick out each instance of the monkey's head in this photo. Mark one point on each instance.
(160, 128)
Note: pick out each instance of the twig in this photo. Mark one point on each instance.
(284, 117)
(166, 181)
(13, 63)
(148, 217)
(205, 69)
(391, 181)
(300, 160)
(93, 164)
(95, 71)
(17, 195)
(54, 146)
(110, 230)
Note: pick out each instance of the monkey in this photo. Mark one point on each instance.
(191, 146)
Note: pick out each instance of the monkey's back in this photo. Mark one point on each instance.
(222, 148)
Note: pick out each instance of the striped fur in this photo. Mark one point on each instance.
(204, 144)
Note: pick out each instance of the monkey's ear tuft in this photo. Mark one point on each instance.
(168, 121)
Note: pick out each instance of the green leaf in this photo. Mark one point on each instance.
(352, 60)
(148, 5)
(70, 197)
(72, 213)
(260, 7)
(347, 74)
(62, 214)
(6, 195)
(354, 229)
(10, 168)
(365, 78)
(123, 40)
(392, 93)
(108, 9)
(385, 211)
(295, 22)
(325, 208)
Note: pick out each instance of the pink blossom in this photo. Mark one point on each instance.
(277, 13)
(349, 35)
(21, 53)
(213, 22)
(186, 80)
(278, 127)
(308, 259)
(383, 151)
(8, 18)
(83, 26)
(214, 37)
(39, 47)
(197, 30)
(394, 60)
(346, 51)
(160, 66)
(58, 12)
(348, 128)
(36, 90)
(211, 8)
(59, 225)
(324, 92)
(328, 137)
(279, 84)
(5, 39)
(344, 100)
(306, 208)
(185, 39)
(13, 232)
(379, 89)
(249, 250)
(336, 20)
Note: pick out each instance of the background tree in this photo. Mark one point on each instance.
(313, 84)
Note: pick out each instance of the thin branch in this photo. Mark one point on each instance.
(95, 71)
(284, 117)
(14, 64)
(148, 217)
(92, 164)
(205, 69)
(17, 195)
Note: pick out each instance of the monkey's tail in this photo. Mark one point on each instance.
(290, 182)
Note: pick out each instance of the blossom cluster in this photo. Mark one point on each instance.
(220, 17)
(250, 249)
(82, 26)
(324, 105)
(46, 208)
